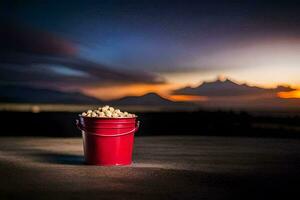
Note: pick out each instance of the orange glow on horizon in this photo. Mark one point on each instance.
(187, 98)
(289, 95)
(115, 92)
(165, 90)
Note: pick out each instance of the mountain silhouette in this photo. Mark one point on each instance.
(149, 99)
(223, 88)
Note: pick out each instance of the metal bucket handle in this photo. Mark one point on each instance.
(80, 127)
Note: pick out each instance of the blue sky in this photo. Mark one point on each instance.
(182, 42)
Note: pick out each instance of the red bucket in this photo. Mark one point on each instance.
(108, 141)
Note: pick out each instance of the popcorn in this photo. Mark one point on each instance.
(104, 108)
(107, 112)
(115, 115)
(84, 114)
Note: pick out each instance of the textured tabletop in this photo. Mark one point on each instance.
(164, 168)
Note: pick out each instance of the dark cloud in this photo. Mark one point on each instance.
(36, 58)
(38, 69)
(21, 39)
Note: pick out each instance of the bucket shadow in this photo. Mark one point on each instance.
(59, 158)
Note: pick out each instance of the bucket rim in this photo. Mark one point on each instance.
(107, 117)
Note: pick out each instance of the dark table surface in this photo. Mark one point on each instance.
(164, 168)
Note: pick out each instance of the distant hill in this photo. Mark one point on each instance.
(229, 94)
(150, 99)
(23, 94)
(227, 87)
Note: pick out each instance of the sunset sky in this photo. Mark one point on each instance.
(111, 49)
